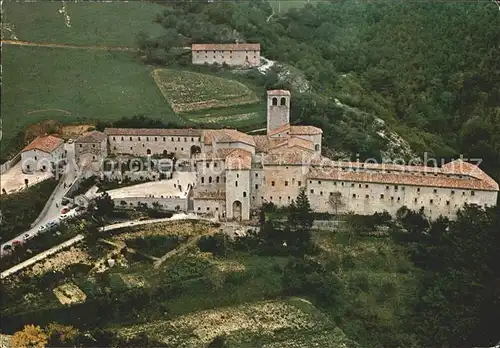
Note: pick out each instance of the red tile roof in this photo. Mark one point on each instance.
(46, 143)
(92, 137)
(410, 178)
(232, 135)
(305, 130)
(227, 136)
(263, 143)
(299, 142)
(187, 132)
(239, 160)
(288, 156)
(226, 47)
(278, 92)
(281, 129)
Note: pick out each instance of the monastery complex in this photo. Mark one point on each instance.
(237, 172)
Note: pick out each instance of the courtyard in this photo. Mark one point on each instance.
(177, 187)
(13, 180)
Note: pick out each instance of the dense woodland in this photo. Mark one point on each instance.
(430, 70)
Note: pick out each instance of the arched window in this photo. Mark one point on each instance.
(209, 179)
(202, 180)
(244, 194)
(236, 183)
(283, 101)
(316, 147)
(217, 179)
(275, 101)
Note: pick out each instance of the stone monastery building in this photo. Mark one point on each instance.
(237, 172)
(244, 54)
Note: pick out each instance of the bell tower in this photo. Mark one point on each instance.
(278, 108)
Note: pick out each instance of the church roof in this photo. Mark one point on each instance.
(448, 176)
(154, 131)
(45, 143)
(92, 137)
(278, 92)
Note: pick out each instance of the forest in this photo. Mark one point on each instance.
(430, 70)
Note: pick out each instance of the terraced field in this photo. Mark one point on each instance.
(189, 91)
(291, 322)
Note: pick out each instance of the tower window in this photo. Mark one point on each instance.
(286, 183)
(236, 183)
(244, 194)
(256, 186)
(275, 101)
(283, 101)
(272, 183)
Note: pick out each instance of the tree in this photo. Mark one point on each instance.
(299, 224)
(336, 202)
(30, 337)
(61, 335)
(103, 206)
(218, 342)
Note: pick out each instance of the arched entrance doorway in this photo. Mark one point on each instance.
(195, 150)
(237, 210)
(148, 151)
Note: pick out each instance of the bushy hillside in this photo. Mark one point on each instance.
(430, 70)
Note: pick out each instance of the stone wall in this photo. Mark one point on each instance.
(213, 207)
(11, 163)
(282, 183)
(232, 58)
(277, 115)
(166, 203)
(238, 194)
(368, 198)
(144, 145)
(96, 151)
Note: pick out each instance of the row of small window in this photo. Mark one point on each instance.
(80, 145)
(217, 180)
(156, 139)
(299, 183)
(231, 57)
(206, 52)
(208, 208)
(148, 151)
(396, 187)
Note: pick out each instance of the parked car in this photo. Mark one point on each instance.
(41, 228)
(27, 236)
(64, 210)
(16, 242)
(7, 247)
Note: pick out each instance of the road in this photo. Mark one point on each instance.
(181, 216)
(41, 256)
(53, 211)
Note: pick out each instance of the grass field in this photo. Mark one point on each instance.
(75, 86)
(189, 91)
(241, 116)
(280, 6)
(90, 23)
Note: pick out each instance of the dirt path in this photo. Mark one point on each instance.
(46, 44)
